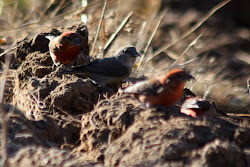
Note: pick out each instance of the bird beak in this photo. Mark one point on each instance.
(189, 77)
(77, 41)
(136, 54)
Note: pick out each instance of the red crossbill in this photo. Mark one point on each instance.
(198, 107)
(64, 48)
(165, 90)
(108, 70)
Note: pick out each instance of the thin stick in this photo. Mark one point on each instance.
(149, 41)
(115, 34)
(34, 8)
(3, 81)
(57, 8)
(46, 19)
(189, 46)
(103, 31)
(14, 13)
(248, 84)
(144, 31)
(47, 8)
(1, 6)
(239, 115)
(99, 27)
(139, 40)
(9, 50)
(196, 26)
(207, 91)
(4, 117)
(61, 6)
(185, 63)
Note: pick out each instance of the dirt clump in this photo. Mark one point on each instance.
(107, 122)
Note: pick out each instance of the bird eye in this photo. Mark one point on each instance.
(129, 51)
(177, 75)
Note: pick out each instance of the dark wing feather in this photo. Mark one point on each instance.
(106, 67)
(145, 87)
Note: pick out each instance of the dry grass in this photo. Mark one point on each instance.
(133, 29)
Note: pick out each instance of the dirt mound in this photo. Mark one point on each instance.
(179, 141)
(41, 91)
(119, 132)
(39, 156)
(44, 86)
(107, 122)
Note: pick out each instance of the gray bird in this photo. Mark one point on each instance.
(108, 70)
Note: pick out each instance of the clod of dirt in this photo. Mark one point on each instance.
(76, 95)
(23, 132)
(41, 43)
(50, 131)
(108, 121)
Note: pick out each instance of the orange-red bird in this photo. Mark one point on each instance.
(198, 107)
(195, 106)
(160, 91)
(64, 48)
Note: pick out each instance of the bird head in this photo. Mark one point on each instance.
(127, 56)
(70, 38)
(176, 76)
(130, 50)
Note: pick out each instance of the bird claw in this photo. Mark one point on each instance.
(55, 64)
(108, 91)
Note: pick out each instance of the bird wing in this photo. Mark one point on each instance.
(106, 67)
(190, 103)
(53, 44)
(145, 87)
(197, 103)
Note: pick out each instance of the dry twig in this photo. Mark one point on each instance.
(117, 32)
(195, 27)
(238, 115)
(1, 6)
(99, 27)
(248, 85)
(149, 42)
(189, 46)
(46, 19)
(4, 117)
